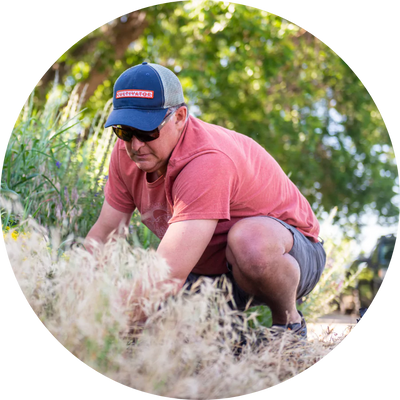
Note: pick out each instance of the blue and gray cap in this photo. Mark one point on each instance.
(142, 96)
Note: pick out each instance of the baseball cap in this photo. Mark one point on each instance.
(142, 96)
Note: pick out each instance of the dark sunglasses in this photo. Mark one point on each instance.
(126, 133)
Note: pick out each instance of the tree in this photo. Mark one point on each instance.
(263, 76)
(90, 61)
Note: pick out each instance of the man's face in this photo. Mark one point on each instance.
(153, 156)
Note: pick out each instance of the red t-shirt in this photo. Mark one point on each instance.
(213, 173)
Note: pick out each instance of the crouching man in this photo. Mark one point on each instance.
(218, 201)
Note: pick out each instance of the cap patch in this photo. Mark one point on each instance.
(145, 94)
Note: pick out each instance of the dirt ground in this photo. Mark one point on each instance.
(335, 324)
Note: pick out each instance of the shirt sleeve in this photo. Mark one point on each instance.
(204, 188)
(116, 192)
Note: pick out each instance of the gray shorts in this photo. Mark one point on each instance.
(310, 256)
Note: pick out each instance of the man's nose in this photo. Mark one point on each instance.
(136, 144)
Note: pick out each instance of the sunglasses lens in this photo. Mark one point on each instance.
(144, 136)
(126, 134)
(123, 134)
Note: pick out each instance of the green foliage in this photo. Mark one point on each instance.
(57, 171)
(241, 68)
(140, 235)
(263, 76)
(48, 167)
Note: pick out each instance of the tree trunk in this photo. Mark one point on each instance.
(120, 37)
(119, 34)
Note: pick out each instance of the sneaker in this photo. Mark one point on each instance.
(260, 338)
(255, 339)
(264, 336)
(299, 328)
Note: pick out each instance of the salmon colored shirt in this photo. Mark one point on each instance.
(213, 173)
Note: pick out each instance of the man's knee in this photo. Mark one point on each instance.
(256, 244)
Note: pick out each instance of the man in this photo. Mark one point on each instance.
(217, 200)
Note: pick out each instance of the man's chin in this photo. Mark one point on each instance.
(145, 167)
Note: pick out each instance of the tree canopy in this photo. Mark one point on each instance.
(263, 76)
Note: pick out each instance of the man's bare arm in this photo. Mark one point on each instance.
(183, 244)
(110, 220)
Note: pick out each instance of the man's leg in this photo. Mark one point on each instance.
(258, 250)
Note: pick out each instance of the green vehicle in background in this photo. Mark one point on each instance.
(372, 271)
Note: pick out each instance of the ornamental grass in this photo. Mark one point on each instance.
(193, 345)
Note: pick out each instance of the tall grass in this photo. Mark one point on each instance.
(56, 168)
(187, 348)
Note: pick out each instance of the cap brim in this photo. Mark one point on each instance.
(145, 120)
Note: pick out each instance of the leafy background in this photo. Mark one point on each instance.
(240, 67)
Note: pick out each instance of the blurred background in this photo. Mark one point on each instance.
(241, 68)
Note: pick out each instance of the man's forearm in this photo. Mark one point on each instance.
(160, 291)
(92, 240)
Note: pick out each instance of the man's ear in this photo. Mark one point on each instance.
(180, 116)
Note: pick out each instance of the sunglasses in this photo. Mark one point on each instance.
(126, 133)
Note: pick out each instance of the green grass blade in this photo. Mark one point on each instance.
(51, 183)
(64, 130)
(24, 180)
(44, 154)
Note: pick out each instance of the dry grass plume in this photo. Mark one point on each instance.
(186, 347)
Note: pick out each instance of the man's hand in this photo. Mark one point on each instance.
(182, 246)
